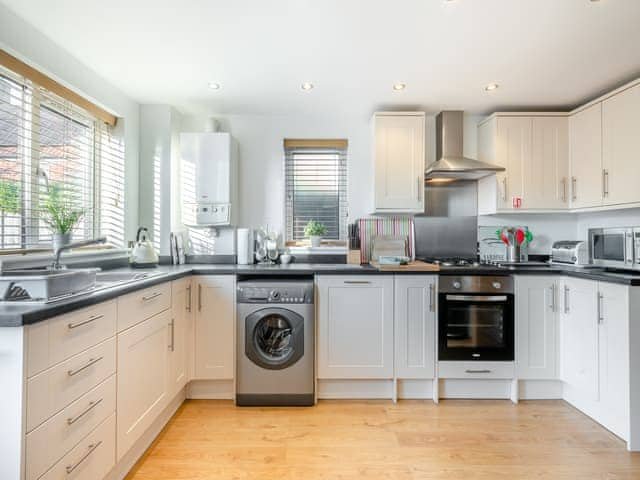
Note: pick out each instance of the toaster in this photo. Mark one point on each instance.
(570, 252)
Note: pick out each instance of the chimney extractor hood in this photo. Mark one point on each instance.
(451, 163)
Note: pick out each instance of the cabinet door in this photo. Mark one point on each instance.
(399, 162)
(514, 151)
(621, 147)
(178, 345)
(547, 174)
(142, 378)
(536, 327)
(585, 152)
(415, 326)
(579, 336)
(355, 326)
(614, 357)
(214, 327)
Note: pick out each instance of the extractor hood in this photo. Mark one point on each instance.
(451, 163)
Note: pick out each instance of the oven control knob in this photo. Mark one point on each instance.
(275, 295)
(497, 285)
(456, 284)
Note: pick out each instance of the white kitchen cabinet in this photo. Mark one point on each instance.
(613, 356)
(579, 336)
(142, 393)
(534, 151)
(585, 147)
(536, 327)
(399, 161)
(179, 328)
(214, 327)
(415, 326)
(355, 326)
(621, 147)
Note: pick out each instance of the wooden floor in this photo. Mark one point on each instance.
(458, 439)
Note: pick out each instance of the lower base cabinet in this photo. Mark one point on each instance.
(143, 354)
(415, 326)
(355, 326)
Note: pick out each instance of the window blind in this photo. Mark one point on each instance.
(316, 186)
(54, 155)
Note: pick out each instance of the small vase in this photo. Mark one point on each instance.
(60, 240)
(315, 240)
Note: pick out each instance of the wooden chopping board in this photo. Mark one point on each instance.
(415, 266)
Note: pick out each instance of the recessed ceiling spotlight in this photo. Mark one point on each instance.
(306, 86)
(214, 86)
(399, 86)
(491, 86)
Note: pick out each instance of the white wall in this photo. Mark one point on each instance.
(23, 41)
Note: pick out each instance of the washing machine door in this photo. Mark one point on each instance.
(274, 337)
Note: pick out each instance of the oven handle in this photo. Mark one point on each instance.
(477, 298)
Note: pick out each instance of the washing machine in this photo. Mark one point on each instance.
(275, 342)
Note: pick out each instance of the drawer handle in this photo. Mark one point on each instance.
(477, 371)
(71, 326)
(357, 282)
(92, 361)
(151, 297)
(92, 448)
(92, 405)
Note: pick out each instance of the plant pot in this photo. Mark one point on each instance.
(315, 240)
(60, 240)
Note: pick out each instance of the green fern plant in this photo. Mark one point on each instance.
(59, 211)
(314, 229)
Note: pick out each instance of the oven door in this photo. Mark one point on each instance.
(476, 327)
(611, 247)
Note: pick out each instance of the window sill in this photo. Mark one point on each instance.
(321, 250)
(39, 259)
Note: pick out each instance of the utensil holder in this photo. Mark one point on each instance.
(513, 253)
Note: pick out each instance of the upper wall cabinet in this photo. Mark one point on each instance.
(621, 147)
(399, 162)
(534, 151)
(585, 129)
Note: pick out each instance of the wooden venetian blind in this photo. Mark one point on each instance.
(316, 186)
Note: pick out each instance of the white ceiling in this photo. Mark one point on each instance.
(543, 53)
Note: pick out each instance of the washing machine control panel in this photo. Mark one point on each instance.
(251, 292)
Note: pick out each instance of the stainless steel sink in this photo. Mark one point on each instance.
(45, 284)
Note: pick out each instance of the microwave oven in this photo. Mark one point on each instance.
(615, 247)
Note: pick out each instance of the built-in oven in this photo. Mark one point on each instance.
(615, 247)
(476, 318)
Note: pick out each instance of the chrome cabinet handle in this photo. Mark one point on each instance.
(420, 188)
(566, 299)
(504, 188)
(172, 325)
(357, 282)
(92, 448)
(605, 183)
(151, 297)
(92, 405)
(478, 371)
(600, 309)
(574, 188)
(553, 298)
(92, 361)
(564, 189)
(432, 299)
(189, 298)
(199, 297)
(71, 326)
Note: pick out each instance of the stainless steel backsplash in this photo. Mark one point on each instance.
(449, 225)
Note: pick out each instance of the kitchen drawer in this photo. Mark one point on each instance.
(55, 388)
(53, 439)
(499, 370)
(62, 337)
(138, 306)
(91, 459)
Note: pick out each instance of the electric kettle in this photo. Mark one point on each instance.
(143, 254)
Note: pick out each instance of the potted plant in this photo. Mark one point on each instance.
(61, 214)
(315, 230)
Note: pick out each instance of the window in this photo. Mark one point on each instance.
(316, 186)
(52, 154)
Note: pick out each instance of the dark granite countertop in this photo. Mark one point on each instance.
(14, 314)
